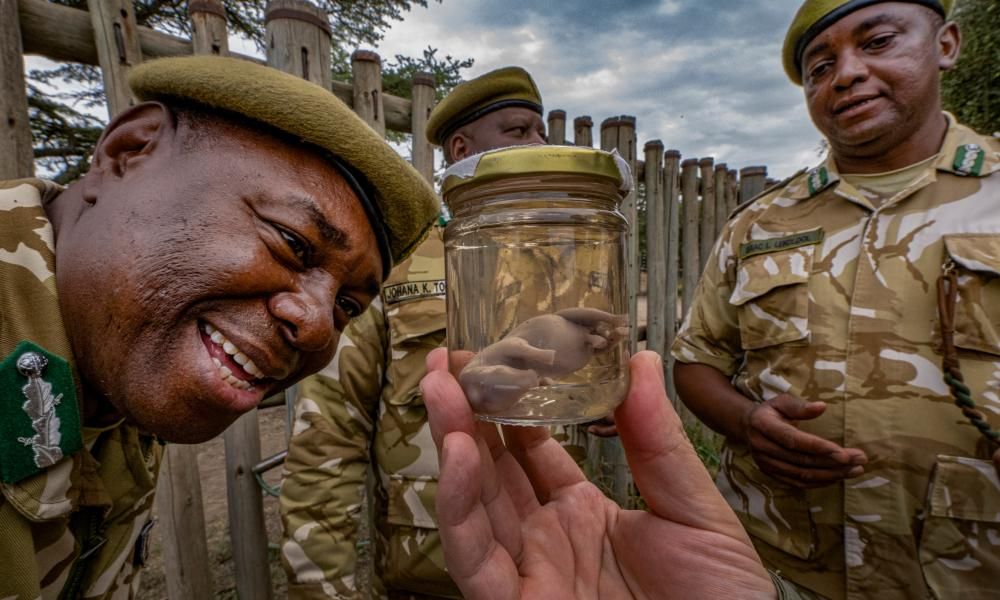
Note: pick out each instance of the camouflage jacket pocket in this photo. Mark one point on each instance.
(977, 317)
(414, 559)
(772, 294)
(411, 501)
(960, 543)
(770, 511)
(415, 328)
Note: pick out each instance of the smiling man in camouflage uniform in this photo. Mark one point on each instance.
(155, 301)
(814, 343)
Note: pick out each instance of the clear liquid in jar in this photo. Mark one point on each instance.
(501, 278)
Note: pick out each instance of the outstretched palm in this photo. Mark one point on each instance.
(519, 520)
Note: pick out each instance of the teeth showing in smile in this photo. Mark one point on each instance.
(241, 359)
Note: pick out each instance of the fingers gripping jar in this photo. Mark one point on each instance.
(535, 259)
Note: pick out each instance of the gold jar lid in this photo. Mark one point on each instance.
(520, 161)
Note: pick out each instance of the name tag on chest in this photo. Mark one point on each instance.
(410, 290)
(795, 240)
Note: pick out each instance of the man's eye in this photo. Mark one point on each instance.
(880, 42)
(351, 307)
(298, 247)
(819, 70)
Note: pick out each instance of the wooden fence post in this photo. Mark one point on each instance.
(707, 224)
(732, 190)
(583, 134)
(246, 510)
(557, 127)
(656, 248)
(208, 27)
(117, 38)
(618, 133)
(671, 186)
(367, 69)
(16, 156)
(691, 267)
(178, 503)
(423, 102)
(179, 498)
(721, 214)
(752, 181)
(298, 40)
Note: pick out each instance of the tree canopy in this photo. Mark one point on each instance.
(972, 89)
(65, 132)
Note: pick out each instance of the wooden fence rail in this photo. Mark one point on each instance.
(687, 203)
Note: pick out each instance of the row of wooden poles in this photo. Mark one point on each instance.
(687, 203)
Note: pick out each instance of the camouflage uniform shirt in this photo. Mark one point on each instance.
(365, 409)
(816, 291)
(82, 523)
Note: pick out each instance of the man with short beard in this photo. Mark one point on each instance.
(228, 229)
(818, 339)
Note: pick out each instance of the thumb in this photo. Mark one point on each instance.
(796, 408)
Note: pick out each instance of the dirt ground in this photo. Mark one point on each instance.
(212, 467)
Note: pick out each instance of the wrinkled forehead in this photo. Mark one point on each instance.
(857, 18)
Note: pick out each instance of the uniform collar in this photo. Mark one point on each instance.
(963, 152)
(966, 153)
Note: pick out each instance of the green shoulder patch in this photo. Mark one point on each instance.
(969, 160)
(796, 240)
(39, 417)
(818, 179)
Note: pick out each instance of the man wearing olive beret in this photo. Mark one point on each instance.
(833, 308)
(365, 409)
(228, 229)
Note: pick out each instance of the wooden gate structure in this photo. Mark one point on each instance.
(687, 202)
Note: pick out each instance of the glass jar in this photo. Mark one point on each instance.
(536, 286)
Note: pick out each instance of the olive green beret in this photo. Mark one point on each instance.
(400, 203)
(509, 86)
(816, 15)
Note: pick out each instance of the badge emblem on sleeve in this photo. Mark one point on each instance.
(969, 160)
(817, 180)
(39, 418)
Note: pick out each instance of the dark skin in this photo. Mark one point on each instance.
(259, 238)
(511, 126)
(872, 85)
(779, 448)
(871, 82)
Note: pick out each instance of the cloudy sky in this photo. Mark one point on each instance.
(703, 76)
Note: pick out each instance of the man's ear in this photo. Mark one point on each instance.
(458, 147)
(949, 40)
(127, 141)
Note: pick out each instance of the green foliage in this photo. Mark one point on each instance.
(971, 91)
(65, 135)
(397, 75)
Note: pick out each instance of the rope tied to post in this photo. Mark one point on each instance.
(947, 287)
